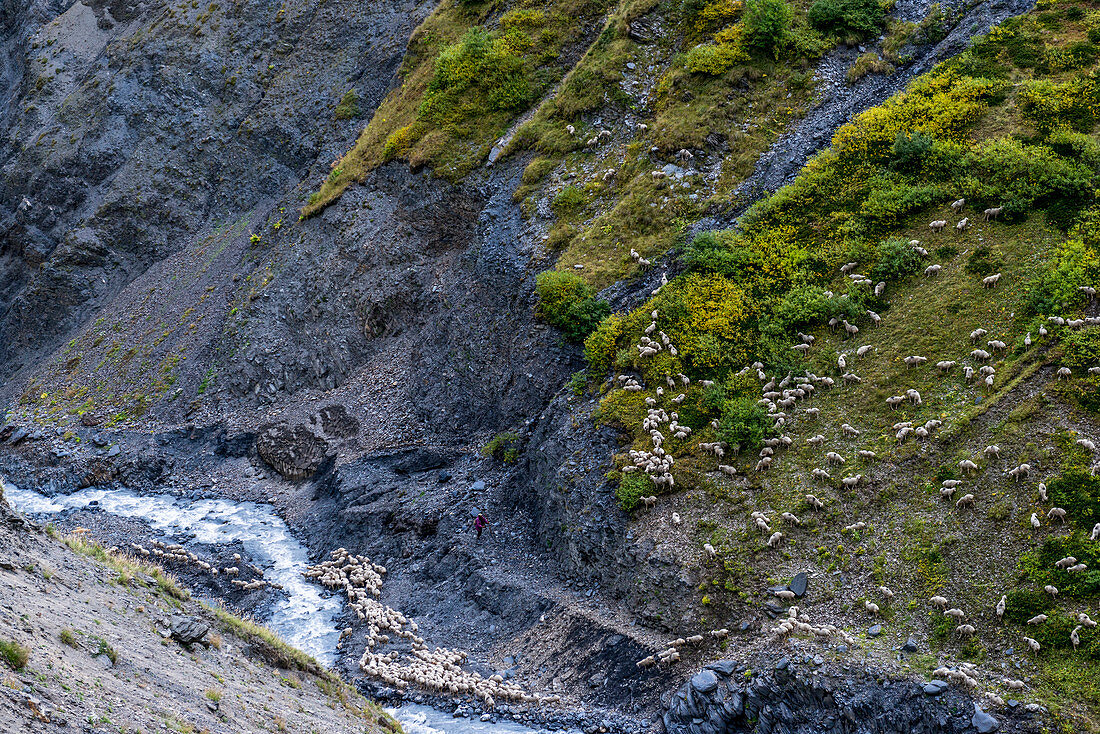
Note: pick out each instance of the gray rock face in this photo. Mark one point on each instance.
(295, 452)
(825, 700)
(187, 630)
(798, 584)
(984, 722)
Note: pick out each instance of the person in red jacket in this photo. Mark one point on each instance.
(480, 523)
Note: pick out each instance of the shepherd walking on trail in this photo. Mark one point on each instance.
(480, 523)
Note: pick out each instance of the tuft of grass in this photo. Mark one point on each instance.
(868, 63)
(14, 654)
(213, 694)
(68, 638)
(269, 644)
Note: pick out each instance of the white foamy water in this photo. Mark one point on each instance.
(417, 719)
(305, 618)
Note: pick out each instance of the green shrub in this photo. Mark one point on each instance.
(14, 654)
(810, 305)
(1023, 604)
(481, 67)
(632, 487)
(67, 637)
(850, 18)
(567, 201)
(978, 262)
(767, 23)
(744, 423)
(569, 303)
(1078, 492)
(713, 59)
(911, 149)
(349, 106)
(503, 447)
(600, 346)
(896, 259)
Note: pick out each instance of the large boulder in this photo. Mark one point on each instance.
(293, 451)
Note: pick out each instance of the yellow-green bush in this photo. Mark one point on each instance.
(1048, 105)
(567, 302)
(714, 59)
(600, 346)
(400, 140)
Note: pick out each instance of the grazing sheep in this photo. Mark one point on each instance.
(963, 225)
(1038, 619)
(992, 213)
(965, 629)
(889, 595)
(977, 334)
(895, 400)
(871, 607)
(727, 469)
(1052, 590)
(791, 518)
(990, 281)
(1035, 521)
(957, 205)
(996, 345)
(863, 350)
(932, 270)
(814, 502)
(938, 601)
(1033, 644)
(801, 348)
(1095, 535)
(880, 288)
(649, 501)
(915, 360)
(1042, 492)
(1074, 638)
(785, 595)
(851, 482)
(820, 474)
(955, 613)
(864, 454)
(775, 539)
(1065, 562)
(968, 466)
(914, 396)
(1001, 606)
(848, 430)
(1057, 512)
(945, 365)
(875, 318)
(951, 483)
(1078, 568)
(834, 458)
(937, 225)
(816, 440)
(856, 526)
(1083, 619)
(1086, 444)
(992, 452)
(709, 549)
(676, 518)
(980, 354)
(947, 492)
(967, 500)
(1063, 373)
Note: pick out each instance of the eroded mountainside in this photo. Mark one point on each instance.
(380, 265)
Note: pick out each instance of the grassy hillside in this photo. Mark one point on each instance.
(1008, 124)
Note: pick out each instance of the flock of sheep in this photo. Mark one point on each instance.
(176, 553)
(780, 399)
(436, 670)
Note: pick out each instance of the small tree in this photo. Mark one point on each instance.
(767, 24)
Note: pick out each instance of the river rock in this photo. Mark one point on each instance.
(910, 645)
(187, 630)
(874, 630)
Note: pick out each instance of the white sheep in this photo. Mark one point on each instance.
(1057, 512)
(968, 466)
(945, 365)
(676, 518)
(775, 539)
(871, 607)
(963, 225)
(967, 500)
(937, 225)
(938, 601)
(1035, 523)
(932, 271)
(992, 213)
(1033, 644)
(915, 360)
(709, 549)
(990, 281)
(1052, 590)
(1001, 606)
(1063, 373)
(957, 205)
